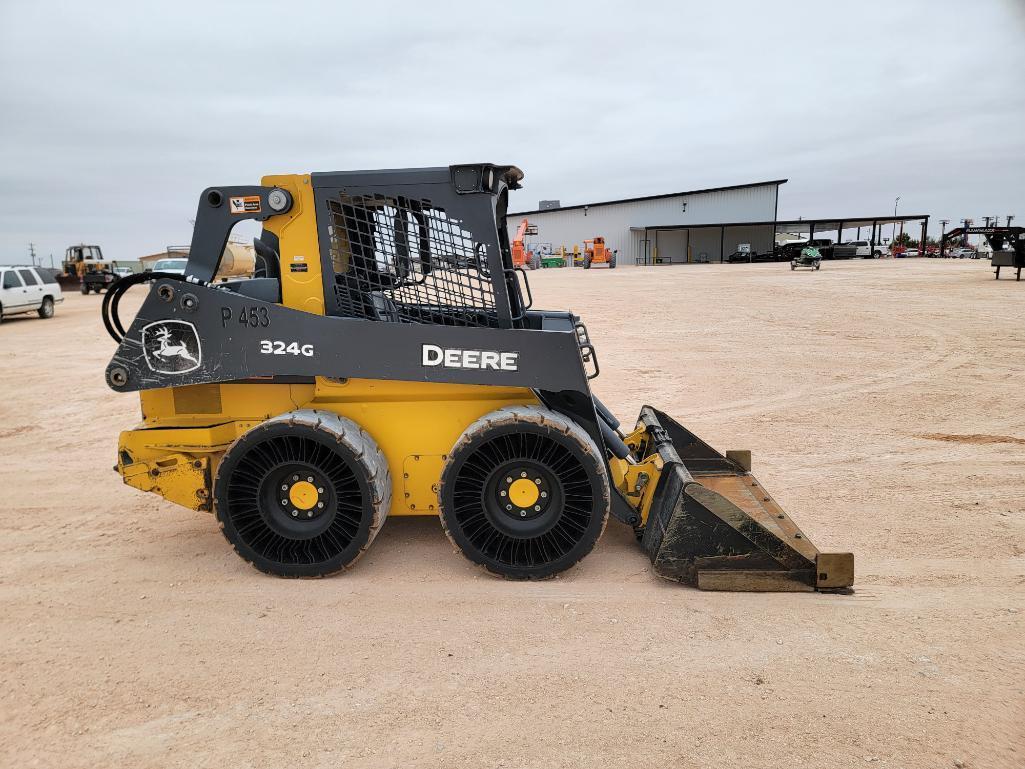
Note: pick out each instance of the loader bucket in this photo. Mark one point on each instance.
(712, 525)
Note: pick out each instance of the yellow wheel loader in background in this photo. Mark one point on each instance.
(386, 360)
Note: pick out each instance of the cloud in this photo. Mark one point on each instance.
(116, 115)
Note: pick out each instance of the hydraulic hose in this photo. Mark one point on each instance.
(111, 300)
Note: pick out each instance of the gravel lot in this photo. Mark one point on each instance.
(884, 404)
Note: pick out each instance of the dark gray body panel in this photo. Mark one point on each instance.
(341, 347)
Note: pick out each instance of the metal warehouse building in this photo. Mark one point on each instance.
(695, 226)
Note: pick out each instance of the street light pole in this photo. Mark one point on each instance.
(893, 230)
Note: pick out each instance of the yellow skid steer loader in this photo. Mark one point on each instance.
(385, 360)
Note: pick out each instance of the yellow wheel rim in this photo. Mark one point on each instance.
(523, 493)
(303, 495)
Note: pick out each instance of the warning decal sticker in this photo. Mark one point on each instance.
(250, 204)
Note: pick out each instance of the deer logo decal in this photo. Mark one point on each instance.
(171, 347)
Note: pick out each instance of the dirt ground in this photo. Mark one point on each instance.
(884, 405)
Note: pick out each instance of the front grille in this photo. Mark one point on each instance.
(404, 260)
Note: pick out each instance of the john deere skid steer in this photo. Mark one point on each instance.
(386, 360)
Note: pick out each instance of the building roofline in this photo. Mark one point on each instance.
(849, 221)
(769, 183)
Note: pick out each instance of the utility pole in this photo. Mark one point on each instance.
(32, 253)
(1010, 218)
(988, 219)
(893, 230)
(943, 232)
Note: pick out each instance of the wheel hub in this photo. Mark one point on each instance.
(523, 492)
(301, 494)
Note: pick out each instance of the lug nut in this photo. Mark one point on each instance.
(523, 474)
(284, 487)
(295, 513)
(544, 494)
(537, 481)
(309, 514)
(502, 493)
(320, 490)
(508, 507)
(295, 477)
(309, 479)
(320, 504)
(523, 513)
(508, 480)
(284, 503)
(537, 508)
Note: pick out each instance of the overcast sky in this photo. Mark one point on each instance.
(113, 117)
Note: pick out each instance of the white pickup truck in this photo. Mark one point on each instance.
(27, 289)
(866, 250)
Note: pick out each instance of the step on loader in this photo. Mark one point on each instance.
(385, 359)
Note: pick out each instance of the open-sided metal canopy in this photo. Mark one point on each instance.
(875, 225)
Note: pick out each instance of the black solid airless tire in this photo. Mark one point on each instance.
(525, 493)
(302, 494)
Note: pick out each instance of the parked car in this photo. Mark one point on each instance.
(122, 271)
(910, 252)
(26, 289)
(176, 266)
(962, 253)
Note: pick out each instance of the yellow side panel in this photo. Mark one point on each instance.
(411, 419)
(301, 282)
(414, 423)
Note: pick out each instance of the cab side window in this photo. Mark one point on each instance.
(11, 279)
(29, 277)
